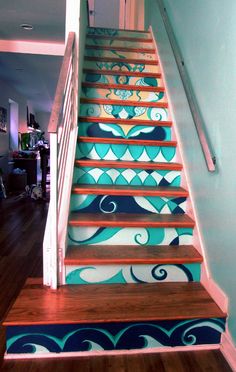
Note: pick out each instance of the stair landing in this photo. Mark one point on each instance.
(111, 317)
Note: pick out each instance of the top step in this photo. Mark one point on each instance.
(118, 33)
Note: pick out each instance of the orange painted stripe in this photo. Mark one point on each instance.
(122, 141)
(120, 48)
(130, 220)
(120, 38)
(117, 102)
(129, 190)
(123, 87)
(116, 254)
(152, 123)
(123, 73)
(128, 164)
(122, 60)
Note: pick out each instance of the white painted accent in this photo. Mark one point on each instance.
(110, 155)
(91, 13)
(134, 17)
(165, 349)
(228, 349)
(30, 47)
(127, 156)
(122, 14)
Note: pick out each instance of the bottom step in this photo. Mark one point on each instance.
(111, 317)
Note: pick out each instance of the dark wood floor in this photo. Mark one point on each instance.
(22, 224)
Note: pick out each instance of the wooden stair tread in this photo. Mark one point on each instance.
(124, 141)
(122, 73)
(123, 87)
(119, 29)
(129, 190)
(121, 48)
(130, 220)
(101, 101)
(131, 254)
(152, 123)
(127, 164)
(123, 60)
(120, 38)
(70, 304)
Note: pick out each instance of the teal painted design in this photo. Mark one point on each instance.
(124, 176)
(123, 274)
(113, 336)
(116, 78)
(124, 112)
(114, 32)
(102, 151)
(127, 204)
(107, 130)
(129, 236)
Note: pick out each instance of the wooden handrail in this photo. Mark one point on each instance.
(206, 148)
(59, 95)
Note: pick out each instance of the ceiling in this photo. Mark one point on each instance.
(34, 76)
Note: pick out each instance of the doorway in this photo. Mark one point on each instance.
(13, 125)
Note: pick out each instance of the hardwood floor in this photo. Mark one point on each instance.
(21, 233)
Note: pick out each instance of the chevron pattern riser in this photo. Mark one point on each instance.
(121, 94)
(113, 32)
(119, 54)
(124, 176)
(124, 112)
(117, 43)
(113, 336)
(106, 130)
(123, 274)
(127, 204)
(129, 236)
(138, 153)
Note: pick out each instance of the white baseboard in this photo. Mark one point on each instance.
(155, 350)
(228, 349)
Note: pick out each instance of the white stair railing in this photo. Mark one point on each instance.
(63, 137)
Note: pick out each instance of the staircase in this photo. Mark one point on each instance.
(131, 272)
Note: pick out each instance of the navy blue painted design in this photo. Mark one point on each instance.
(158, 133)
(113, 336)
(160, 273)
(124, 204)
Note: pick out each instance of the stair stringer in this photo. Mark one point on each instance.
(211, 286)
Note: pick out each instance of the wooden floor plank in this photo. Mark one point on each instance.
(127, 164)
(152, 123)
(129, 190)
(194, 361)
(117, 254)
(72, 304)
(125, 141)
(130, 220)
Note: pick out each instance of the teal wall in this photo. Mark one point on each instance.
(206, 34)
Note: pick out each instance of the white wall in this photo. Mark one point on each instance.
(206, 33)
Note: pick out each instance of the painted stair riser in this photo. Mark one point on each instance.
(129, 236)
(107, 130)
(123, 274)
(127, 204)
(106, 151)
(121, 94)
(124, 112)
(119, 54)
(113, 42)
(126, 176)
(67, 338)
(96, 77)
(114, 32)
